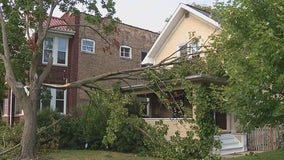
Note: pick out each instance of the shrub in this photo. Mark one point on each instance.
(10, 136)
(71, 132)
(48, 137)
(86, 126)
(129, 139)
(182, 148)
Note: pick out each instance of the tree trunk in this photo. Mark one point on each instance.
(30, 127)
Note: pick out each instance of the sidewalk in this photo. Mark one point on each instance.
(241, 154)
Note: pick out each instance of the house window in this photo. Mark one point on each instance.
(5, 110)
(88, 45)
(17, 109)
(56, 47)
(146, 106)
(125, 52)
(189, 49)
(55, 99)
(143, 55)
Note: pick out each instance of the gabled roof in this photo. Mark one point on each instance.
(59, 25)
(171, 25)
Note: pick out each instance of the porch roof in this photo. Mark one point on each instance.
(143, 88)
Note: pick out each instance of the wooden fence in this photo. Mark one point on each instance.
(266, 139)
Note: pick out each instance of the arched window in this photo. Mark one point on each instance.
(88, 45)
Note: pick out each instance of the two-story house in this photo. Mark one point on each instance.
(81, 50)
(175, 39)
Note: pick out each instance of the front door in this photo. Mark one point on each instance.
(221, 120)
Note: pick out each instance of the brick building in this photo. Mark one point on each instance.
(82, 50)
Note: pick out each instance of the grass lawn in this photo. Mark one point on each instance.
(91, 155)
(107, 155)
(270, 155)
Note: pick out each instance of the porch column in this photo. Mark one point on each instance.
(232, 122)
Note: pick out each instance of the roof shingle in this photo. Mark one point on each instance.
(59, 24)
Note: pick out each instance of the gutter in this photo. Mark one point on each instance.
(57, 31)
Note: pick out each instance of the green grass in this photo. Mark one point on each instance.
(107, 155)
(91, 155)
(270, 155)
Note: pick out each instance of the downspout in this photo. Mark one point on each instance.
(11, 108)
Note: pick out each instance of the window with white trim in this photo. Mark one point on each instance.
(5, 109)
(57, 47)
(125, 52)
(55, 99)
(88, 45)
(191, 49)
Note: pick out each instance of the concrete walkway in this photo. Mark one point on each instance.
(241, 154)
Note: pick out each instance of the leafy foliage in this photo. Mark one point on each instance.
(21, 51)
(129, 139)
(95, 112)
(191, 146)
(71, 133)
(207, 106)
(250, 53)
(10, 136)
(49, 138)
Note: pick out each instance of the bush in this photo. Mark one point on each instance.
(10, 136)
(49, 137)
(74, 131)
(129, 139)
(182, 148)
(87, 125)
(71, 132)
(94, 123)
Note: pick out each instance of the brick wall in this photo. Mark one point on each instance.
(82, 65)
(102, 61)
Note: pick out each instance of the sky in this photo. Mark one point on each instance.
(150, 14)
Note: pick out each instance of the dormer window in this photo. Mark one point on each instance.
(125, 52)
(57, 47)
(88, 45)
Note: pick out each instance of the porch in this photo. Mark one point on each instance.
(175, 106)
(231, 143)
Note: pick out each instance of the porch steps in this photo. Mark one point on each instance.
(230, 144)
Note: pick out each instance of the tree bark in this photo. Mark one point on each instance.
(28, 142)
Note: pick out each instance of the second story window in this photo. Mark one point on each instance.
(190, 49)
(126, 52)
(56, 47)
(88, 45)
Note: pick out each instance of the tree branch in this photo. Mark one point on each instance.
(79, 25)
(41, 35)
(10, 77)
(46, 70)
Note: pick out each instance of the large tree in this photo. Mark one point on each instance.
(250, 54)
(20, 52)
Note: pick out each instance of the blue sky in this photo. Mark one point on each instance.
(150, 14)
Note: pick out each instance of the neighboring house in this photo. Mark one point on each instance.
(188, 19)
(80, 52)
